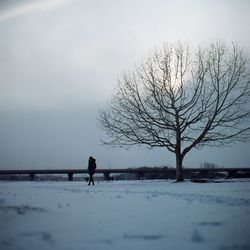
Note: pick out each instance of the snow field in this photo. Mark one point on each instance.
(125, 215)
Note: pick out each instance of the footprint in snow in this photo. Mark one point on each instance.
(197, 237)
(212, 223)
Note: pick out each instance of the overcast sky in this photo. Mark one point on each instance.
(59, 63)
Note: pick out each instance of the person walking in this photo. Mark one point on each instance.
(91, 169)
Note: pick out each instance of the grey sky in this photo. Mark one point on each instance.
(59, 61)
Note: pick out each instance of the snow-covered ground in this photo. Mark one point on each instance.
(125, 215)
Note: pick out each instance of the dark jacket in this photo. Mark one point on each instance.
(91, 166)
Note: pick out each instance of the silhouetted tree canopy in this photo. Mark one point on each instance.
(181, 98)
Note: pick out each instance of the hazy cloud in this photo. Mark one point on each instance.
(17, 8)
(59, 61)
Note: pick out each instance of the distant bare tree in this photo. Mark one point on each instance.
(178, 99)
(209, 165)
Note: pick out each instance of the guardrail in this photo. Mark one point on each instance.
(140, 172)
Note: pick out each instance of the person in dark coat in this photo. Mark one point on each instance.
(91, 169)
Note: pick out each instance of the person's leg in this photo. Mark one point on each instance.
(91, 179)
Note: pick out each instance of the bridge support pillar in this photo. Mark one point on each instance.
(32, 176)
(70, 176)
(106, 176)
(232, 173)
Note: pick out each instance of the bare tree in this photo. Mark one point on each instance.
(180, 99)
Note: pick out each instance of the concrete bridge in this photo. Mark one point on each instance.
(140, 172)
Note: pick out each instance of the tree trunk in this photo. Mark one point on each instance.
(179, 171)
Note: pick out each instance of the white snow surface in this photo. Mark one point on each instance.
(125, 215)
